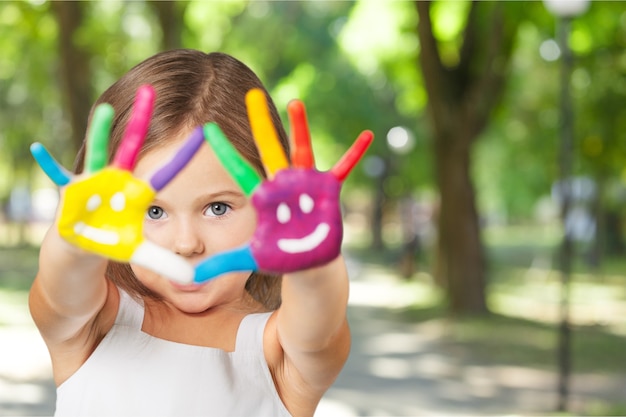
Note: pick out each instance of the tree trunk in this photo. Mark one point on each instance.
(378, 209)
(75, 69)
(460, 258)
(460, 101)
(170, 15)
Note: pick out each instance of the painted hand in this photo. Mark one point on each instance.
(103, 210)
(299, 217)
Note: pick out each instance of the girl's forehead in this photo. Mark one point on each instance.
(204, 166)
(203, 177)
(158, 155)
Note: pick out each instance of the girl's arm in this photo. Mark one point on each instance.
(311, 322)
(307, 340)
(69, 290)
(71, 302)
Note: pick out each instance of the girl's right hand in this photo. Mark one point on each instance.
(102, 211)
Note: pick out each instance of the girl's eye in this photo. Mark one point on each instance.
(217, 209)
(155, 213)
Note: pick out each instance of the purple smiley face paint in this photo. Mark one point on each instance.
(299, 225)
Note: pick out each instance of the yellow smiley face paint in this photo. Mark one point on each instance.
(101, 216)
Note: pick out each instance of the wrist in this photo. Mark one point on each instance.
(319, 271)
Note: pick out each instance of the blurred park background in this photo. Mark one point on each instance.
(484, 230)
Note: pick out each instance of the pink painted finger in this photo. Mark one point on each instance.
(136, 130)
(343, 167)
(302, 154)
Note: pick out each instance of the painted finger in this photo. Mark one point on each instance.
(343, 167)
(59, 175)
(264, 132)
(164, 262)
(239, 259)
(168, 171)
(136, 130)
(242, 172)
(302, 154)
(98, 138)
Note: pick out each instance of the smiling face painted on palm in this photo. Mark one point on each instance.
(298, 224)
(110, 223)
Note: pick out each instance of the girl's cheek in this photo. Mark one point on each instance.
(249, 222)
(157, 233)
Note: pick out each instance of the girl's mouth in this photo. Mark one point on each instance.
(186, 287)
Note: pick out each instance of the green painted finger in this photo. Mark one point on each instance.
(243, 173)
(98, 138)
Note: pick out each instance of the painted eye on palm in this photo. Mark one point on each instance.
(299, 217)
(103, 210)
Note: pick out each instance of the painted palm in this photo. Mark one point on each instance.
(299, 217)
(103, 210)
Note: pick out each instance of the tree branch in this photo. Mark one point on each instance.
(170, 15)
(436, 77)
(487, 69)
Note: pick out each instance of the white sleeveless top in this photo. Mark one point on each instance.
(134, 374)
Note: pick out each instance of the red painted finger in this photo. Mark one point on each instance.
(302, 153)
(343, 167)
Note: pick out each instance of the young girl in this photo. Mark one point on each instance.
(125, 340)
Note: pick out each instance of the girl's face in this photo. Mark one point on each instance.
(202, 211)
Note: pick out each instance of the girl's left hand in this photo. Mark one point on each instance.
(299, 217)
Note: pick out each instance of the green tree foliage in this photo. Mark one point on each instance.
(29, 98)
(356, 65)
(296, 53)
(523, 137)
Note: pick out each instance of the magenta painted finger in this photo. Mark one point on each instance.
(343, 167)
(168, 171)
(136, 130)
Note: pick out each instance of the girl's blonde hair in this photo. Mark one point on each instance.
(192, 88)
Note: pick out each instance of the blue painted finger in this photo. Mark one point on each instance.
(59, 175)
(239, 259)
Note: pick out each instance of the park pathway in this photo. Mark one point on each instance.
(395, 369)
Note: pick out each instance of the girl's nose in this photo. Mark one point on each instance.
(188, 241)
